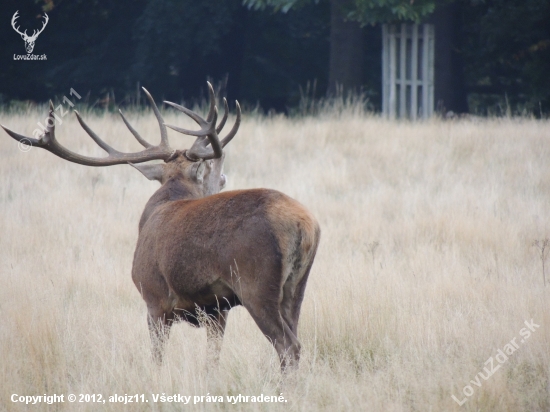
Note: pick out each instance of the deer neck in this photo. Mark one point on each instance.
(169, 192)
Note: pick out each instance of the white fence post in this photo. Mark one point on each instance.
(408, 71)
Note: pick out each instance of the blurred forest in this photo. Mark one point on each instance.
(491, 55)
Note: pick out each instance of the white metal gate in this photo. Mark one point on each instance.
(408, 71)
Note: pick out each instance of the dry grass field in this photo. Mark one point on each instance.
(426, 269)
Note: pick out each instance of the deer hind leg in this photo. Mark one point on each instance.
(293, 297)
(296, 273)
(268, 317)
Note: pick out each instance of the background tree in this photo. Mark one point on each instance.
(507, 55)
(347, 17)
(450, 93)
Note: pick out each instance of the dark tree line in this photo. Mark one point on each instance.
(488, 52)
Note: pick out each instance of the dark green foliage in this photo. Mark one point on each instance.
(507, 54)
(179, 43)
(382, 11)
(363, 11)
(282, 53)
(101, 47)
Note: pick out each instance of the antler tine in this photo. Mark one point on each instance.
(48, 142)
(47, 137)
(199, 149)
(209, 131)
(95, 137)
(235, 128)
(207, 134)
(224, 119)
(212, 102)
(141, 140)
(199, 120)
(163, 131)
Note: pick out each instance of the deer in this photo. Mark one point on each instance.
(200, 251)
(29, 40)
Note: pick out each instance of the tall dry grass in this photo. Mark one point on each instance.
(425, 269)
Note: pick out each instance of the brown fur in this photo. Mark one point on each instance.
(200, 251)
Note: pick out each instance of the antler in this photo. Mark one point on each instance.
(13, 19)
(209, 132)
(49, 142)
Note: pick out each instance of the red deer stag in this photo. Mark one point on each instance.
(200, 252)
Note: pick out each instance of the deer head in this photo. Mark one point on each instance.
(29, 40)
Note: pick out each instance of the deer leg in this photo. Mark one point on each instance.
(294, 287)
(275, 328)
(215, 328)
(296, 298)
(159, 323)
(288, 303)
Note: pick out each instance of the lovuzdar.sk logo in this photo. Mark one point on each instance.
(29, 40)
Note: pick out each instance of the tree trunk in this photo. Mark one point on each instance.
(346, 51)
(450, 92)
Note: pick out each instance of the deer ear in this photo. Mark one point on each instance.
(151, 172)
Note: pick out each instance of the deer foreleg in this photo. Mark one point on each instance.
(215, 328)
(159, 329)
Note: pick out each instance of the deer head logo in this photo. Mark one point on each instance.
(29, 40)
